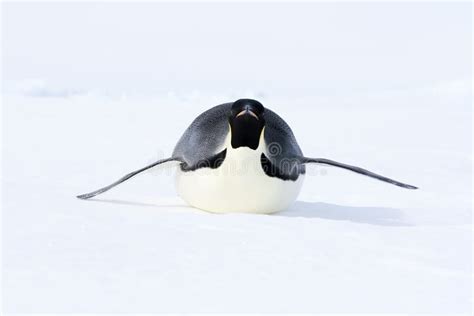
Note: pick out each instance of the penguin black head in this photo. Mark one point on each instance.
(246, 123)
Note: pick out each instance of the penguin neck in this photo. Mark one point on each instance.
(246, 132)
(244, 153)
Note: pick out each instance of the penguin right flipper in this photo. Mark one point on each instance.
(200, 145)
(126, 177)
(305, 160)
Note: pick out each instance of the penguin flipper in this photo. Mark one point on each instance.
(125, 178)
(358, 170)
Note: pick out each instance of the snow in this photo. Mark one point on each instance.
(350, 244)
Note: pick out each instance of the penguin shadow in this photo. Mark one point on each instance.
(381, 216)
(133, 203)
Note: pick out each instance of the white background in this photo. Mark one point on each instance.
(92, 91)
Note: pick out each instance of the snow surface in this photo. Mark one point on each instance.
(349, 244)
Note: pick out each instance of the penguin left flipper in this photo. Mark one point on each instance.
(305, 160)
(126, 177)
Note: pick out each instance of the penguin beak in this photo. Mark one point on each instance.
(247, 112)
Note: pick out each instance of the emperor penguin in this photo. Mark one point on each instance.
(241, 157)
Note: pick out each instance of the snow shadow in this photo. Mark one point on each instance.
(381, 216)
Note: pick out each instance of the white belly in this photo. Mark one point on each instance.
(238, 185)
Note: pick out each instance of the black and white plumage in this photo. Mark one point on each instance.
(241, 157)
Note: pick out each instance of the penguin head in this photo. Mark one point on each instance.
(246, 123)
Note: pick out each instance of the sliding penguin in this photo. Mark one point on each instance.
(240, 157)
